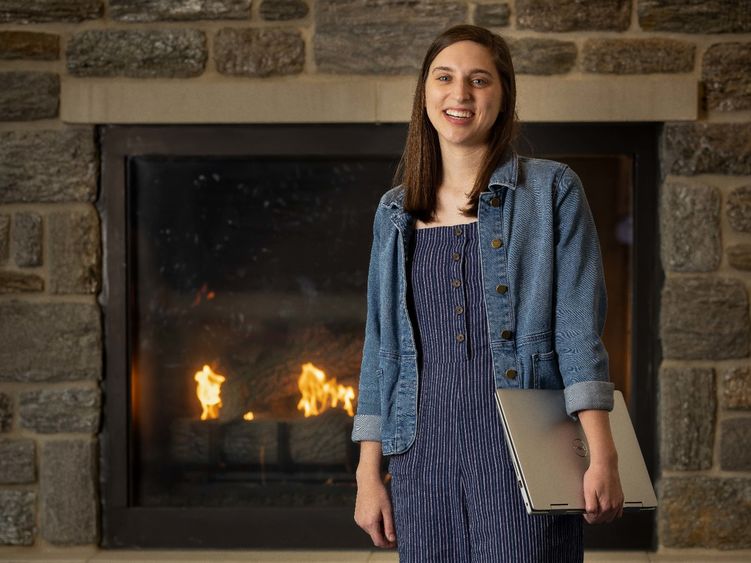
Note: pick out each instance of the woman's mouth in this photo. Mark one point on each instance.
(458, 115)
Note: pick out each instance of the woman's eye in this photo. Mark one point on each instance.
(442, 77)
(480, 81)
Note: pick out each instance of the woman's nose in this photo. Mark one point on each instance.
(461, 90)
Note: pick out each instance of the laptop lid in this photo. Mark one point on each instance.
(551, 454)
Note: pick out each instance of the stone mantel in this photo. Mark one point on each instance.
(325, 99)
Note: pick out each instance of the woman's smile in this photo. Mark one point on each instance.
(458, 116)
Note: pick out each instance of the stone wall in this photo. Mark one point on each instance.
(50, 232)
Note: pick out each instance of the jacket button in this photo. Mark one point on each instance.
(500, 288)
(506, 334)
(456, 283)
(496, 243)
(511, 373)
(458, 309)
(495, 202)
(456, 256)
(460, 337)
(458, 231)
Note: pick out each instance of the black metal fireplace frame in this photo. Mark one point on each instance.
(125, 525)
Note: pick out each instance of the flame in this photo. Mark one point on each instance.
(205, 292)
(318, 393)
(248, 416)
(209, 392)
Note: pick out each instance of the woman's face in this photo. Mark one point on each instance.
(463, 94)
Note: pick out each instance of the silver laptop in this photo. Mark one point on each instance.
(550, 452)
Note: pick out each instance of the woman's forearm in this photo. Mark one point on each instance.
(596, 425)
(370, 459)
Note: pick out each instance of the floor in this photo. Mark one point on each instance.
(93, 555)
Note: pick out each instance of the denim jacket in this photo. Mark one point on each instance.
(544, 291)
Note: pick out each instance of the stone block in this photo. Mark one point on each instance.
(29, 45)
(68, 486)
(690, 227)
(687, 418)
(735, 444)
(282, 10)
(17, 461)
(6, 412)
(74, 251)
(27, 239)
(492, 15)
(48, 166)
(738, 209)
(60, 410)
(384, 37)
(4, 237)
(33, 11)
(259, 52)
(27, 95)
(708, 512)
(704, 317)
(49, 341)
(573, 15)
(700, 16)
(739, 256)
(725, 73)
(137, 53)
(178, 10)
(20, 282)
(706, 148)
(18, 514)
(637, 56)
(736, 388)
(542, 56)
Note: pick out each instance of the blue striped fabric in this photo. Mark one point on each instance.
(454, 492)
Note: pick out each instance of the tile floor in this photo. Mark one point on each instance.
(92, 555)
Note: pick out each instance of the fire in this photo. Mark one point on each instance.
(318, 393)
(204, 292)
(209, 391)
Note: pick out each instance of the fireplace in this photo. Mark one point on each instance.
(234, 299)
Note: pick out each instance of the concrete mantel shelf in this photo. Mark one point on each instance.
(347, 99)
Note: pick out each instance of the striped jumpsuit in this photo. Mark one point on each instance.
(454, 492)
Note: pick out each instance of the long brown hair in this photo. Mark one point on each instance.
(420, 169)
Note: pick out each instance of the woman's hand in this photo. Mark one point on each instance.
(373, 510)
(603, 496)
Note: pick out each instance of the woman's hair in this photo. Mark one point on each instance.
(420, 167)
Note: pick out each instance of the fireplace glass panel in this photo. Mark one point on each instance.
(247, 288)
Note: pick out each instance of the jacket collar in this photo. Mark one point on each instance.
(505, 174)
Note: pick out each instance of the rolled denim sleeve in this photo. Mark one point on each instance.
(580, 301)
(367, 423)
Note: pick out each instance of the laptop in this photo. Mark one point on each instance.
(550, 452)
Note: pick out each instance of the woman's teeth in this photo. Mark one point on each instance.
(459, 114)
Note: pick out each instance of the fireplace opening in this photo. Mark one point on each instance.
(235, 285)
(246, 290)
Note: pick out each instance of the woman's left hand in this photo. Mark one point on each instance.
(603, 496)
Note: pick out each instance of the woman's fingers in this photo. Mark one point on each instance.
(607, 511)
(376, 534)
(591, 504)
(388, 523)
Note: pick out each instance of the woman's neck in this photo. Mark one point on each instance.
(461, 165)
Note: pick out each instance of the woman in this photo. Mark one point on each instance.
(485, 272)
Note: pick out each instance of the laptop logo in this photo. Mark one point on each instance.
(580, 447)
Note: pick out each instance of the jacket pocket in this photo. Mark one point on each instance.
(545, 371)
